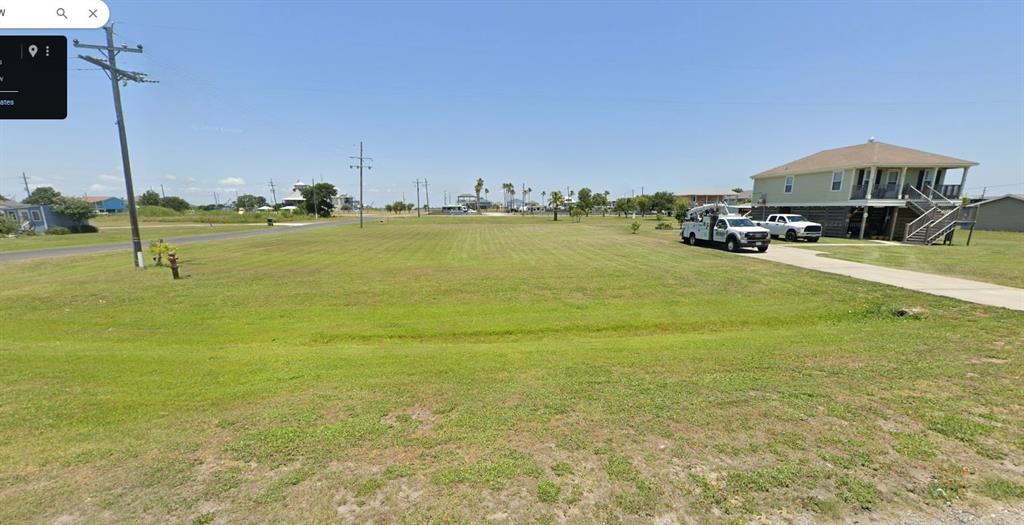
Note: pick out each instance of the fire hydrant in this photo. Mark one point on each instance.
(172, 257)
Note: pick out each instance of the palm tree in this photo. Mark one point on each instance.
(529, 191)
(487, 193)
(512, 193)
(477, 187)
(556, 200)
(543, 195)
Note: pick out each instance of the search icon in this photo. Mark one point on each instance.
(61, 13)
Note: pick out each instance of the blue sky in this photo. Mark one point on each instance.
(616, 97)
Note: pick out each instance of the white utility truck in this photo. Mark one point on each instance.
(792, 227)
(713, 223)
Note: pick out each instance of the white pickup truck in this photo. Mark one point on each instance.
(705, 224)
(792, 227)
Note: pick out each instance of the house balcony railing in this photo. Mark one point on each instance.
(888, 191)
(859, 192)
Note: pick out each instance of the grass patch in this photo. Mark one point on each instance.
(463, 354)
(1001, 489)
(548, 491)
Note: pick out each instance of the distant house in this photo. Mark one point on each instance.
(469, 199)
(870, 190)
(701, 197)
(36, 217)
(295, 198)
(344, 201)
(106, 204)
(1004, 213)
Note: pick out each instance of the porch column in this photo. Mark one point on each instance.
(867, 202)
(892, 227)
(901, 182)
(963, 181)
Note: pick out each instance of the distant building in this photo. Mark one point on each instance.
(36, 217)
(344, 201)
(106, 204)
(1004, 213)
(700, 197)
(295, 198)
(469, 199)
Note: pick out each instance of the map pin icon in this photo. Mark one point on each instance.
(32, 50)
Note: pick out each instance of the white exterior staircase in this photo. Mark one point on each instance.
(939, 215)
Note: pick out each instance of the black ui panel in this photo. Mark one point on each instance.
(33, 77)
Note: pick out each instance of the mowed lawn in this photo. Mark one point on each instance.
(116, 234)
(993, 257)
(463, 369)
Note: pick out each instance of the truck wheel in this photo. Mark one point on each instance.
(731, 244)
(693, 239)
(791, 236)
(762, 249)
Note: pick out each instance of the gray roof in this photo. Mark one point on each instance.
(1018, 196)
(865, 155)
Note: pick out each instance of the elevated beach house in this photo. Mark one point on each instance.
(872, 190)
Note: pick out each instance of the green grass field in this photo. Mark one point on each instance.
(993, 257)
(115, 233)
(504, 369)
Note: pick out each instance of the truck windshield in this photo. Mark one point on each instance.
(796, 218)
(740, 222)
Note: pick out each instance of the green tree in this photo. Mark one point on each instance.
(737, 189)
(175, 203)
(626, 205)
(601, 201)
(679, 210)
(250, 202)
(643, 205)
(42, 195)
(77, 210)
(319, 198)
(577, 212)
(150, 198)
(662, 201)
(585, 201)
(389, 208)
(556, 200)
(478, 187)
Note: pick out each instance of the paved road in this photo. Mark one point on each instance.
(188, 239)
(963, 289)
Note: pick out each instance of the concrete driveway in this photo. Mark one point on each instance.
(963, 289)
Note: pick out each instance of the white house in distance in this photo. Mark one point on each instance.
(295, 198)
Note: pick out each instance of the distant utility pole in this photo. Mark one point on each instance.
(426, 190)
(216, 201)
(417, 197)
(117, 76)
(360, 166)
(977, 211)
(162, 194)
(273, 192)
(25, 179)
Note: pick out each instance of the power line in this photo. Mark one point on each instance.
(117, 77)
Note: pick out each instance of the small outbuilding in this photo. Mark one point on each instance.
(35, 217)
(106, 204)
(1004, 213)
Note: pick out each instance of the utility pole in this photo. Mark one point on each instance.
(417, 183)
(273, 191)
(216, 202)
(426, 190)
(117, 76)
(977, 211)
(360, 166)
(316, 206)
(25, 179)
(162, 194)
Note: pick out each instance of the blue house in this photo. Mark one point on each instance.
(35, 217)
(106, 204)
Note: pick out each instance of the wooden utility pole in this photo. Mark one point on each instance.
(977, 211)
(24, 178)
(426, 191)
(360, 166)
(117, 76)
(273, 191)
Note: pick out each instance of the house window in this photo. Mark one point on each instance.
(892, 176)
(24, 215)
(36, 217)
(837, 180)
(789, 185)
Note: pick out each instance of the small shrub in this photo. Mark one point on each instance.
(84, 228)
(663, 226)
(635, 226)
(8, 226)
(58, 230)
(159, 250)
